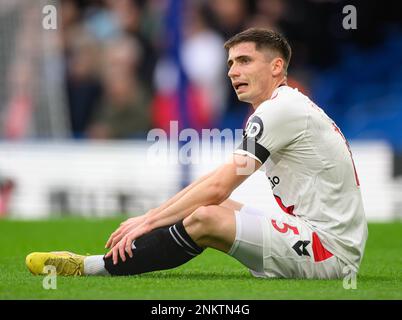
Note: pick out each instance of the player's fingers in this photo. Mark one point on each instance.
(109, 242)
(107, 255)
(113, 240)
(115, 231)
(122, 252)
(117, 239)
(112, 236)
(119, 230)
(125, 231)
(128, 247)
(119, 234)
(115, 254)
(128, 221)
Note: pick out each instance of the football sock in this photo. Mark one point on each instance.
(160, 249)
(95, 266)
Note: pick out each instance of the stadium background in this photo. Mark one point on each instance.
(77, 103)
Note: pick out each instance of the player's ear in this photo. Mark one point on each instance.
(277, 66)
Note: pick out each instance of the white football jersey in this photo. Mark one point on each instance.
(310, 168)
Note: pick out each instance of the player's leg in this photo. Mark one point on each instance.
(239, 235)
(292, 249)
(162, 248)
(234, 232)
(212, 226)
(172, 246)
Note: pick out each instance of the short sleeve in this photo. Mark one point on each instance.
(272, 127)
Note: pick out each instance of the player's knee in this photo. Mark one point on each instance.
(204, 218)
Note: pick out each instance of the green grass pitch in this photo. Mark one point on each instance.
(212, 275)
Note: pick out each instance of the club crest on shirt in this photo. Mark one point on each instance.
(254, 128)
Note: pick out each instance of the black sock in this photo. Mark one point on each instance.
(160, 249)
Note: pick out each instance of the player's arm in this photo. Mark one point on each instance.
(179, 195)
(211, 191)
(134, 222)
(227, 202)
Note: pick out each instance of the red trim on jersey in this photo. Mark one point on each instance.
(350, 151)
(320, 253)
(288, 210)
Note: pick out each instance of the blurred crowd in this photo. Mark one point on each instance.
(121, 82)
(121, 79)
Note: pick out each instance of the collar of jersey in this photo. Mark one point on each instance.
(276, 91)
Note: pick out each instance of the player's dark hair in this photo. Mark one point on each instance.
(263, 39)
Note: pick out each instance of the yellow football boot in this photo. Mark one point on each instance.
(66, 263)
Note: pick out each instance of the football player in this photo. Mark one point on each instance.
(320, 226)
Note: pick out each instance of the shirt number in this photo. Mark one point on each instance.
(285, 227)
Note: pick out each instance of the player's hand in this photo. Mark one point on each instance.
(124, 228)
(124, 245)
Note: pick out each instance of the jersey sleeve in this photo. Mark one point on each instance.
(272, 127)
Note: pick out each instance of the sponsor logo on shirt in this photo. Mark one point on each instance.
(254, 128)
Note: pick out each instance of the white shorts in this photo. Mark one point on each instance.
(280, 245)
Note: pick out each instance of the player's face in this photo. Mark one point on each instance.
(250, 73)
